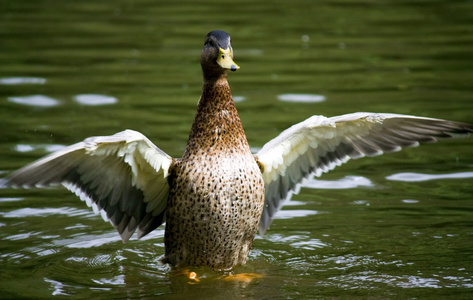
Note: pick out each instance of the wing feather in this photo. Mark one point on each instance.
(123, 177)
(319, 144)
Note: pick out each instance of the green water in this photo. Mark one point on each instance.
(365, 230)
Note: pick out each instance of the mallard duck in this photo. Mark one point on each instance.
(218, 194)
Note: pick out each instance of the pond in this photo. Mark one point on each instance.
(394, 226)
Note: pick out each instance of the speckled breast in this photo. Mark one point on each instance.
(213, 211)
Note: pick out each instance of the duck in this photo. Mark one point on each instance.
(218, 195)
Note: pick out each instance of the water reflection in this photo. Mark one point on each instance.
(239, 98)
(22, 80)
(410, 201)
(44, 212)
(308, 98)
(117, 280)
(57, 287)
(403, 281)
(300, 241)
(294, 213)
(43, 147)
(417, 177)
(21, 236)
(35, 100)
(347, 182)
(95, 99)
(7, 199)
(88, 241)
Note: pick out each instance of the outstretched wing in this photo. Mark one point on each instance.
(123, 176)
(319, 144)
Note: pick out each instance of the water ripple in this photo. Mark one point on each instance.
(43, 212)
(239, 98)
(8, 199)
(95, 99)
(35, 100)
(307, 98)
(404, 281)
(117, 280)
(347, 182)
(22, 80)
(21, 236)
(301, 241)
(89, 240)
(45, 147)
(294, 213)
(57, 287)
(417, 177)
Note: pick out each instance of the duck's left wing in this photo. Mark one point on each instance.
(123, 176)
(319, 144)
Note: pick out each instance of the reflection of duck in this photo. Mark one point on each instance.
(217, 194)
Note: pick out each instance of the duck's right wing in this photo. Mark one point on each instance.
(319, 144)
(124, 176)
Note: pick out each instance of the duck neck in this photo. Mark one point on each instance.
(217, 127)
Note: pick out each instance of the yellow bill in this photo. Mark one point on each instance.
(225, 60)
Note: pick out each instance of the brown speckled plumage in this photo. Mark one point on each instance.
(217, 191)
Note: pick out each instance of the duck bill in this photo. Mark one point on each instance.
(225, 60)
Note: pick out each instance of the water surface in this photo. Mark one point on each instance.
(398, 226)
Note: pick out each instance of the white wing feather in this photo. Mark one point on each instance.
(319, 144)
(123, 176)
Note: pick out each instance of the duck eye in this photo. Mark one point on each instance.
(223, 56)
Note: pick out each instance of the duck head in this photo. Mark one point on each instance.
(217, 56)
